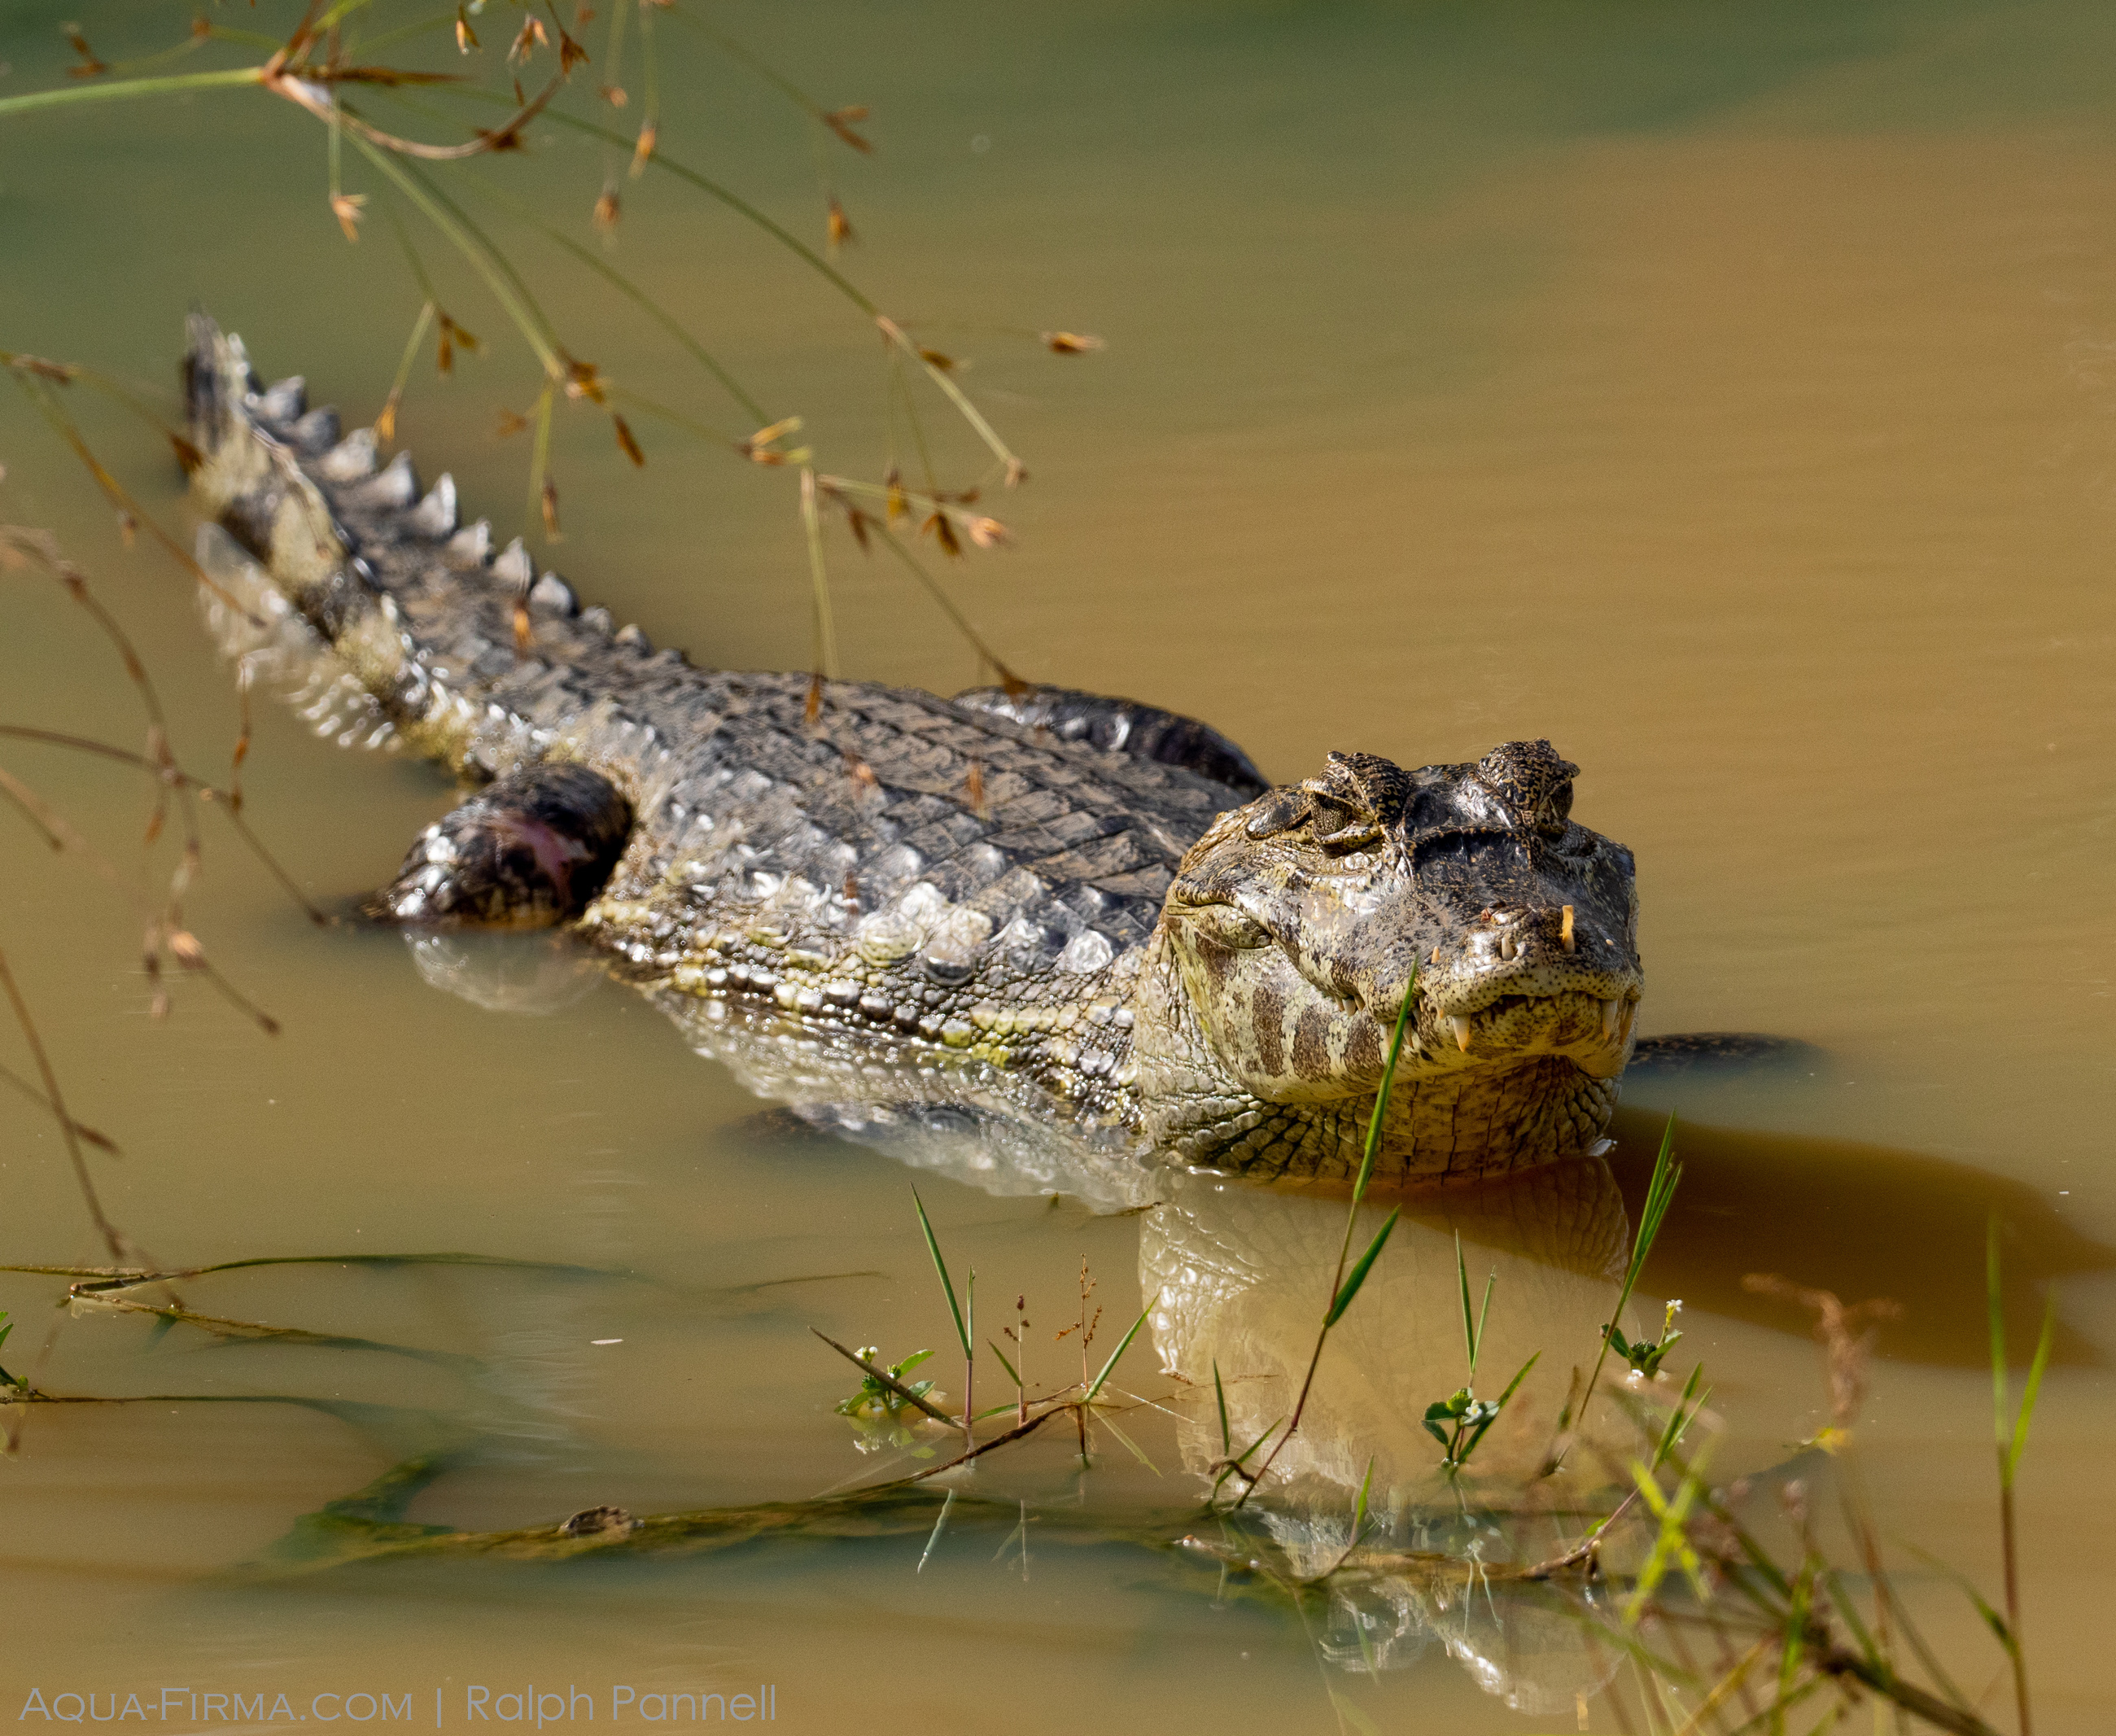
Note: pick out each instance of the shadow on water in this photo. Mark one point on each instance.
(1860, 1220)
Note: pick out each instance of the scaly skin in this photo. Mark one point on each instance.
(877, 899)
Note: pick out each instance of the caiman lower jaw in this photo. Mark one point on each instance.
(1595, 1033)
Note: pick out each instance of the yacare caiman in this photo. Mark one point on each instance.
(1084, 927)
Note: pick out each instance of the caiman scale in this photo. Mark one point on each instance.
(1066, 915)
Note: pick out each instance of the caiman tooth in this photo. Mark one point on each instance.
(553, 595)
(1608, 1020)
(283, 400)
(1460, 1027)
(435, 516)
(514, 568)
(391, 489)
(351, 459)
(472, 542)
(314, 433)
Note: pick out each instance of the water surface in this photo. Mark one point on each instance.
(1726, 395)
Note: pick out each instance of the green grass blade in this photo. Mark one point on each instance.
(1992, 1619)
(1359, 1507)
(1131, 1446)
(1795, 1634)
(1382, 1096)
(941, 1266)
(1358, 1275)
(1677, 1420)
(2033, 1388)
(1660, 1192)
(1484, 1314)
(1242, 1457)
(1005, 1363)
(1513, 1385)
(1122, 1344)
(119, 89)
(1219, 1391)
(1468, 1323)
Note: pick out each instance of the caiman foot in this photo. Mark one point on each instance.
(528, 850)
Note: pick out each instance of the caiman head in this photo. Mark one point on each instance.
(1296, 927)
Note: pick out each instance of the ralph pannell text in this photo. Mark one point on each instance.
(473, 1704)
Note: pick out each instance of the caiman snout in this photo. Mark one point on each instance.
(1530, 978)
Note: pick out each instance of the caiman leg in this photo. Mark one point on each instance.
(527, 850)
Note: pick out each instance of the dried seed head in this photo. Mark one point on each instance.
(466, 37)
(944, 532)
(385, 424)
(758, 448)
(644, 148)
(346, 208)
(626, 443)
(937, 359)
(550, 504)
(986, 533)
(840, 121)
(523, 628)
(509, 424)
(533, 35)
(1071, 343)
(899, 503)
(606, 211)
(584, 379)
(841, 231)
(1017, 473)
(90, 66)
(613, 94)
(814, 708)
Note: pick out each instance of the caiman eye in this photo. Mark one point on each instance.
(1224, 926)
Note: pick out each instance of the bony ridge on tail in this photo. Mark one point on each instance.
(1073, 912)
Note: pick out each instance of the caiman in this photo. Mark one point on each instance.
(1057, 917)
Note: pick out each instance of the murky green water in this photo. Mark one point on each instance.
(1725, 394)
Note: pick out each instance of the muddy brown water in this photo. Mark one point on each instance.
(1729, 397)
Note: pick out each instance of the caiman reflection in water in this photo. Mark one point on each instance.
(1238, 1277)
